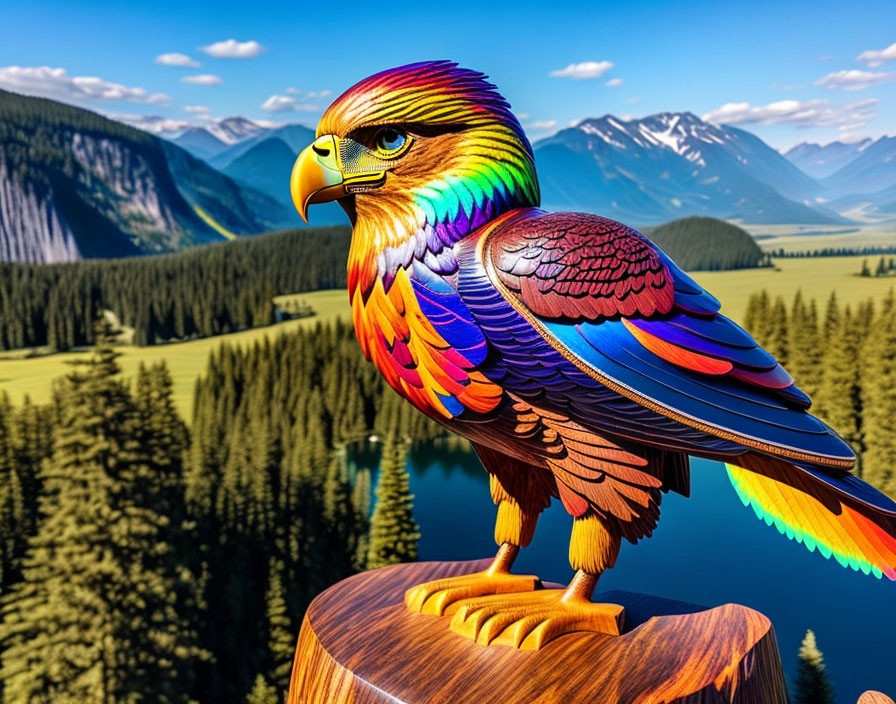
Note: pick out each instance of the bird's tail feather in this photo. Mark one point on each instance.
(832, 519)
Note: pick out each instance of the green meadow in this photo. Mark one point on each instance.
(817, 277)
(21, 374)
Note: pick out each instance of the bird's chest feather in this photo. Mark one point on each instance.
(414, 327)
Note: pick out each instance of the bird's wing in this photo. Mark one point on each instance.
(613, 304)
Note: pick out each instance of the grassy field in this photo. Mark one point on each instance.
(817, 277)
(20, 375)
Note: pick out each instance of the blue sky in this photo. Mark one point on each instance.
(788, 71)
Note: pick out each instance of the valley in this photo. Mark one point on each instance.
(100, 188)
(22, 372)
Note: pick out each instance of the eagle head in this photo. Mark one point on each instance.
(425, 147)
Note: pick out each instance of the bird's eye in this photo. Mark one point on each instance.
(390, 141)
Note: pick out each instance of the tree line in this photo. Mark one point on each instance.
(143, 560)
(781, 253)
(844, 357)
(885, 267)
(198, 292)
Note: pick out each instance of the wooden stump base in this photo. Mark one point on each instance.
(359, 644)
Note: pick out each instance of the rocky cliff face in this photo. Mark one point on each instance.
(76, 185)
(30, 227)
(138, 196)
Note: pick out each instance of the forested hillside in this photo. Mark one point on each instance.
(228, 286)
(195, 293)
(707, 244)
(845, 359)
(75, 185)
(174, 565)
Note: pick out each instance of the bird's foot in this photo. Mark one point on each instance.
(530, 620)
(440, 594)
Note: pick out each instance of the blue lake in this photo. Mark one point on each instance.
(708, 550)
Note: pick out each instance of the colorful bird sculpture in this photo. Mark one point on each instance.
(575, 356)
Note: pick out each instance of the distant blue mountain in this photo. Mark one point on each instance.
(821, 161)
(668, 165)
(873, 169)
(266, 166)
(295, 137)
(200, 142)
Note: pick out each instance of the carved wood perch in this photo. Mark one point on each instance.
(359, 644)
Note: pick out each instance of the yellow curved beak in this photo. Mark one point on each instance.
(316, 176)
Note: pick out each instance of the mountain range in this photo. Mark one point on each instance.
(650, 170)
(263, 160)
(75, 185)
(857, 179)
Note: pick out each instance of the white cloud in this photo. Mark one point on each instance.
(854, 79)
(806, 113)
(197, 108)
(286, 103)
(631, 101)
(849, 138)
(56, 83)
(586, 69)
(202, 79)
(543, 124)
(614, 83)
(176, 59)
(232, 49)
(310, 94)
(151, 123)
(878, 58)
(270, 124)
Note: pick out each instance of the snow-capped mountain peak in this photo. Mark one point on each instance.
(231, 130)
(671, 162)
(681, 133)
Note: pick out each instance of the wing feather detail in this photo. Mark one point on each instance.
(680, 359)
(856, 533)
(563, 266)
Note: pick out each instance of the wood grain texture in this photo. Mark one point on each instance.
(359, 645)
(872, 697)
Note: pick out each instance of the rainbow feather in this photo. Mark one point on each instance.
(799, 506)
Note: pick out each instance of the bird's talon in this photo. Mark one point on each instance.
(530, 620)
(440, 596)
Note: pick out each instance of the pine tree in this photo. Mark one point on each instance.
(837, 400)
(803, 350)
(361, 501)
(96, 617)
(778, 336)
(756, 317)
(879, 399)
(812, 685)
(393, 531)
(263, 693)
(281, 638)
(163, 438)
(342, 523)
(831, 317)
(13, 512)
